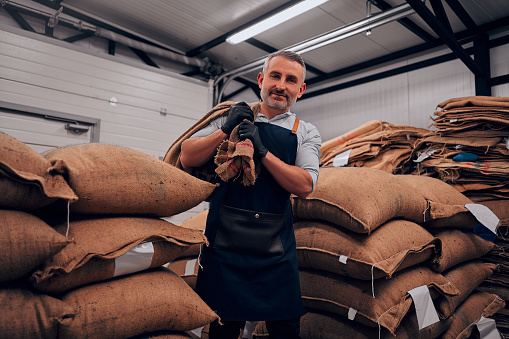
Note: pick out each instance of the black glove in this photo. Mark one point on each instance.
(249, 131)
(238, 112)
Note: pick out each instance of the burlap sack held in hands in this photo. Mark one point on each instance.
(154, 300)
(235, 159)
(100, 244)
(111, 179)
(25, 180)
(206, 172)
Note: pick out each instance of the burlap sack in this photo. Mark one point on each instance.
(187, 269)
(317, 324)
(391, 247)
(338, 294)
(456, 247)
(500, 207)
(26, 242)
(463, 321)
(196, 222)
(474, 101)
(207, 171)
(446, 206)
(25, 182)
(163, 335)
(100, 243)
(112, 179)
(235, 160)
(466, 277)
(359, 199)
(25, 314)
(154, 300)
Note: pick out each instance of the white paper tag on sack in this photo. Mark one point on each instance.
(197, 331)
(341, 159)
(249, 328)
(343, 259)
(426, 312)
(352, 312)
(425, 155)
(488, 328)
(137, 259)
(484, 215)
(190, 264)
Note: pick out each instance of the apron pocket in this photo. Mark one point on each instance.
(249, 231)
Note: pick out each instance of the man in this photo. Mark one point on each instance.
(250, 269)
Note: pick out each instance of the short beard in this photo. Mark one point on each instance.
(276, 104)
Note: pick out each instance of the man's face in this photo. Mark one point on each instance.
(281, 84)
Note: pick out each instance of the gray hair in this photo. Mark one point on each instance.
(290, 56)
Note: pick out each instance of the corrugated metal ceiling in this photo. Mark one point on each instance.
(197, 28)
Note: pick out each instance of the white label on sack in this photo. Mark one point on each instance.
(249, 328)
(343, 259)
(341, 159)
(507, 143)
(453, 120)
(487, 328)
(425, 155)
(424, 308)
(197, 331)
(137, 259)
(352, 313)
(190, 264)
(484, 215)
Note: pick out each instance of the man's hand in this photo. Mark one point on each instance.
(249, 131)
(237, 113)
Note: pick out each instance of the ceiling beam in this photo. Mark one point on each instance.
(451, 56)
(18, 18)
(462, 14)
(144, 57)
(220, 39)
(406, 22)
(78, 37)
(449, 39)
(440, 14)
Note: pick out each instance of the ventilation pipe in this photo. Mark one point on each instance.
(324, 39)
(53, 20)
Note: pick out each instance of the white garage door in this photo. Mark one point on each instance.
(43, 130)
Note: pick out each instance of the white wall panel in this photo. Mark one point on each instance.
(44, 73)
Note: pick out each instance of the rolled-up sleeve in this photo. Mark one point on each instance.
(213, 126)
(308, 150)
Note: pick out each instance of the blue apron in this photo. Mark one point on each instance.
(258, 278)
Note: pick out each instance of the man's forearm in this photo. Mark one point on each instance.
(195, 152)
(294, 179)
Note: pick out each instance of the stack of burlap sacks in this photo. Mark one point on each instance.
(83, 244)
(376, 144)
(470, 151)
(365, 238)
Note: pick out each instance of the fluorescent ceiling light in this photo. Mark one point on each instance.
(274, 20)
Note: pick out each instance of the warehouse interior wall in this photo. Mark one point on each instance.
(147, 108)
(409, 98)
(137, 107)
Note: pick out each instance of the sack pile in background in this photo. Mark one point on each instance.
(93, 267)
(367, 240)
(470, 151)
(375, 144)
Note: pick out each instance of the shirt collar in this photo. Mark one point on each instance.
(277, 117)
